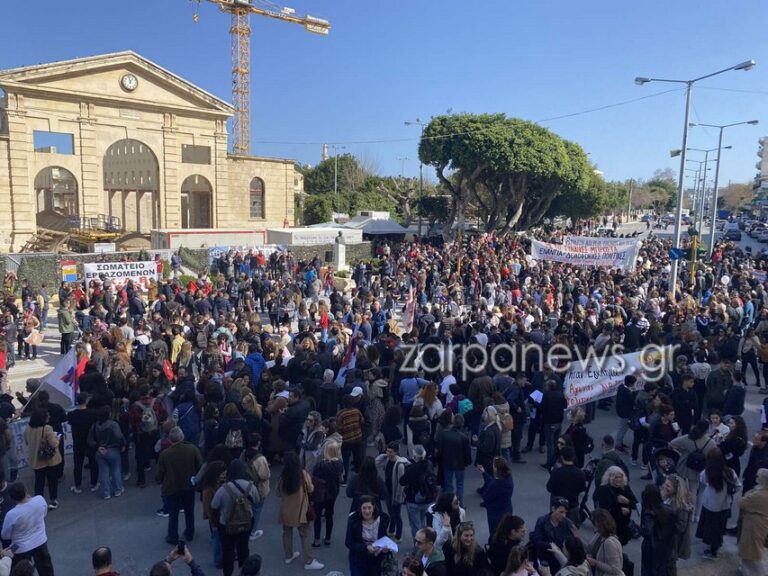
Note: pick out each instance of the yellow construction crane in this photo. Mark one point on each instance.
(240, 33)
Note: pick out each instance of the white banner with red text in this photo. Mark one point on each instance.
(595, 378)
(588, 252)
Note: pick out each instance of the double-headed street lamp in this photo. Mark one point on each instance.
(418, 122)
(699, 220)
(747, 65)
(720, 127)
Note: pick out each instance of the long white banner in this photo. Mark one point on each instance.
(118, 273)
(587, 253)
(597, 378)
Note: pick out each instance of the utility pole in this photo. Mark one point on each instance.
(629, 201)
(336, 167)
(418, 122)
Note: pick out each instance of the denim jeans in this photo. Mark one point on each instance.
(257, 507)
(416, 515)
(216, 546)
(551, 432)
(395, 518)
(110, 474)
(185, 499)
(448, 476)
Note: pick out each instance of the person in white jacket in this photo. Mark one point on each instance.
(446, 514)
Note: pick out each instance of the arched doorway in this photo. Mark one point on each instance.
(56, 197)
(196, 201)
(131, 180)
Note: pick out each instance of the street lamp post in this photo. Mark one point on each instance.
(720, 127)
(699, 216)
(747, 65)
(336, 170)
(418, 122)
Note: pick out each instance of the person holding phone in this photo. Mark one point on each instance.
(163, 568)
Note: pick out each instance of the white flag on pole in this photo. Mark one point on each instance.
(60, 382)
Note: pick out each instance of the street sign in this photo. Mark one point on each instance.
(675, 253)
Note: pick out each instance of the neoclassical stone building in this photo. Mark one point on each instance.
(117, 139)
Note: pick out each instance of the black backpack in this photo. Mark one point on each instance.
(427, 491)
(696, 460)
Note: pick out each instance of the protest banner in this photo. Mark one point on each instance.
(118, 273)
(597, 378)
(19, 450)
(587, 254)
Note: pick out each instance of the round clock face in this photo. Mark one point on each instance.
(129, 82)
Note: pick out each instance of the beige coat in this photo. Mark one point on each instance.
(754, 524)
(506, 435)
(293, 507)
(34, 438)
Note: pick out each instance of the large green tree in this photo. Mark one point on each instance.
(510, 169)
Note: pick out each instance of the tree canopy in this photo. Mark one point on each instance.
(511, 170)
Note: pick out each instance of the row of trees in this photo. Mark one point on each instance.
(504, 173)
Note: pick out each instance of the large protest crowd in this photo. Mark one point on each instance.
(267, 378)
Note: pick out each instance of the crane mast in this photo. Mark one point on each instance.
(240, 45)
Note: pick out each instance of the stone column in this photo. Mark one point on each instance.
(91, 197)
(22, 201)
(221, 203)
(170, 193)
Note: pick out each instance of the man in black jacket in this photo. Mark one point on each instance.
(684, 401)
(625, 402)
(568, 481)
(454, 453)
(291, 421)
(553, 405)
(758, 458)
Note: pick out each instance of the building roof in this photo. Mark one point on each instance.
(376, 226)
(33, 76)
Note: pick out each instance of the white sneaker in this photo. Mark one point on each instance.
(256, 534)
(292, 558)
(75, 490)
(96, 487)
(314, 565)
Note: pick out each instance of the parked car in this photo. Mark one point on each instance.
(763, 236)
(733, 234)
(756, 229)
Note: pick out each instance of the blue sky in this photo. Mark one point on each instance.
(390, 61)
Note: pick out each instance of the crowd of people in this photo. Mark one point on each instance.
(264, 378)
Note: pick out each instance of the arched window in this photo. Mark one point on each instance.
(256, 198)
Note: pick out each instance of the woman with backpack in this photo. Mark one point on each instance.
(693, 449)
(419, 430)
(232, 430)
(187, 417)
(310, 440)
(719, 483)
(294, 488)
(233, 502)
